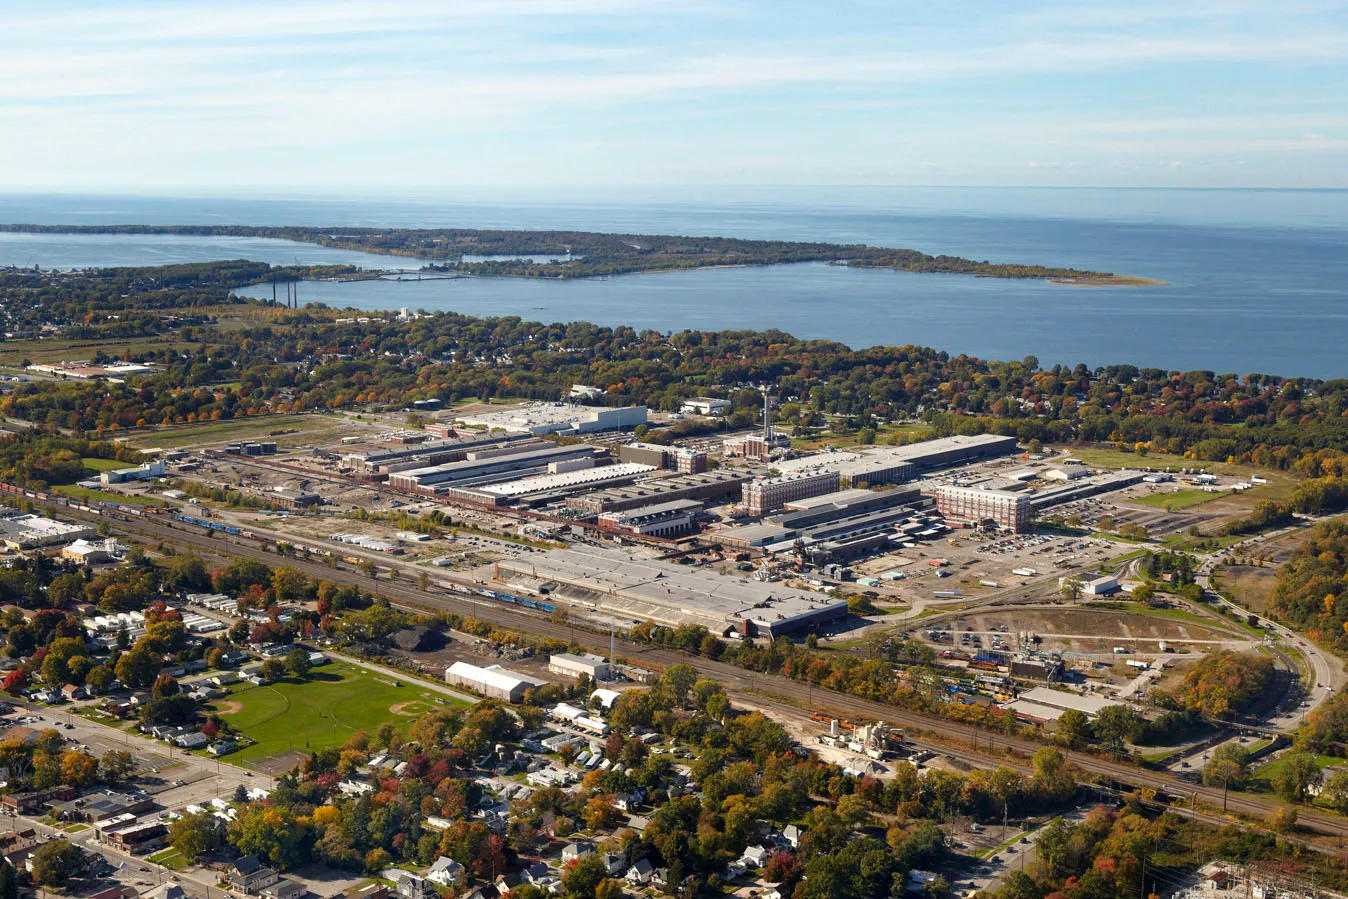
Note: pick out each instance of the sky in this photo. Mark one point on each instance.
(348, 96)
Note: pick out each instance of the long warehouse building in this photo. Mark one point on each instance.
(476, 472)
(634, 587)
(708, 485)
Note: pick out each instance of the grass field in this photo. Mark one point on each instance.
(1264, 776)
(336, 701)
(1279, 487)
(1178, 500)
(74, 491)
(103, 464)
(222, 431)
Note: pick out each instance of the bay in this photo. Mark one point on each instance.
(1255, 279)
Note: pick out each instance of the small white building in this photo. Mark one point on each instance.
(446, 872)
(705, 405)
(575, 664)
(494, 682)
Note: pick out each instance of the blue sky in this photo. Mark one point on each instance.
(346, 96)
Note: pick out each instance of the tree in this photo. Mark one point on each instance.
(79, 768)
(609, 889)
(9, 881)
(137, 668)
(1071, 589)
(297, 662)
(677, 681)
(165, 685)
(1073, 728)
(99, 679)
(1115, 726)
(15, 681)
(1296, 776)
(273, 669)
(1228, 766)
(55, 862)
(582, 876)
(195, 834)
(600, 813)
(1335, 791)
(116, 765)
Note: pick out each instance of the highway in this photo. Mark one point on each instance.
(785, 692)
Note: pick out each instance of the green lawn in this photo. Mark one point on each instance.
(1178, 500)
(74, 491)
(169, 858)
(336, 701)
(103, 464)
(1269, 771)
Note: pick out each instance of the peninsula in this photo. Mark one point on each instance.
(585, 254)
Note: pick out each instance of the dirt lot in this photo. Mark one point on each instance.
(476, 651)
(1085, 630)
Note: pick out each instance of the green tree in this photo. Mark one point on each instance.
(195, 834)
(1297, 774)
(9, 881)
(677, 681)
(116, 765)
(1071, 588)
(273, 670)
(297, 662)
(55, 862)
(1227, 767)
(1073, 729)
(1335, 791)
(582, 876)
(99, 679)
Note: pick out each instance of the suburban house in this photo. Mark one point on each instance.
(446, 872)
(641, 873)
(285, 888)
(411, 886)
(251, 876)
(578, 849)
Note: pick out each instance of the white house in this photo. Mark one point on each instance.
(446, 872)
(640, 873)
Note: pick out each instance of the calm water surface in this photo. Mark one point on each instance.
(1256, 279)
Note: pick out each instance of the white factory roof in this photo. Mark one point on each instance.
(605, 697)
(1061, 699)
(1035, 710)
(532, 415)
(495, 676)
(562, 480)
(694, 591)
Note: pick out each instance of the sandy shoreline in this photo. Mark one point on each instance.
(1112, 281)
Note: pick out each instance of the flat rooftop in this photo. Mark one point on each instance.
(568, 479)
(676, 593)
(1091, 705)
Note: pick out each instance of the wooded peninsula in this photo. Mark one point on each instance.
(584, 254)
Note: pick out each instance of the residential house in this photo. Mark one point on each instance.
(792, 834)
(72, 692)
(285, 888)
(194, 740)
(578, 849)
(251, 876)
(446, 872)
(754, 857)
(539, 874)
(412, 886)
(641, 873)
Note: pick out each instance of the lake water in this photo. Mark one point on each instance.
(1256, 279)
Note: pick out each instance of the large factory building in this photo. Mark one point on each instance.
(1010, 511)
(633, 587)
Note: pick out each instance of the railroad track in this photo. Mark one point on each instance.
(791, 694)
